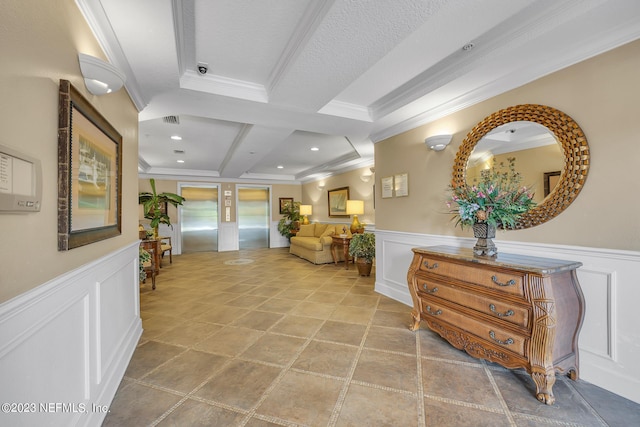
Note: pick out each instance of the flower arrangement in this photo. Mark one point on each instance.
(497, 199)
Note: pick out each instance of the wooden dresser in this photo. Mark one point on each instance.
(517, 311)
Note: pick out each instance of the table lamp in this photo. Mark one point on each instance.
(355, 208)
(304, 211)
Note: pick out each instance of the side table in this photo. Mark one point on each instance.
(153, 247)
(344, 242)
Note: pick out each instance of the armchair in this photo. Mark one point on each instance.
(165, 246)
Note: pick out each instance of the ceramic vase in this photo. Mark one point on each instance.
(484, 247)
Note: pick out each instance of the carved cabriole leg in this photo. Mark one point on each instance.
(542, 339)
(413, 290)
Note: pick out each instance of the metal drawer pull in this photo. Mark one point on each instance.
(433, 313)
(431, 291)
(506, 313)
(506, 342)
(509, 283)
(434, 265)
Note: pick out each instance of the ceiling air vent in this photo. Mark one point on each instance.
(178, 151)
(172, 120)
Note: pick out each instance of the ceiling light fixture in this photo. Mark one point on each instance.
(315, 149)
(180, 161)
(280, 167)
(467, 47)
(100, 77)
(438, 142)
(176, 137)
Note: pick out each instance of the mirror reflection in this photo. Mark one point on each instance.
(539, 156)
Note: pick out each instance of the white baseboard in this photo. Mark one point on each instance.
(65, 345)
(608, 342)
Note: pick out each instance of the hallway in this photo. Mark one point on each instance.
(263, 338)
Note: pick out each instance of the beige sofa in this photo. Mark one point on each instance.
(313, 242)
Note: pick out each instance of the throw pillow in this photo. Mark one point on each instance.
(330, 231)
(306, 230)
(320, 229)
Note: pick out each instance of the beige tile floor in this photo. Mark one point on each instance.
(263, 338)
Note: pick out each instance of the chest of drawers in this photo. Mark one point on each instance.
(517, 311)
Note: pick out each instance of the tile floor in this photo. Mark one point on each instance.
(263, 338)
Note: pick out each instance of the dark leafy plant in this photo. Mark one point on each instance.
(290, 219)
(152, 203)
(363, 246)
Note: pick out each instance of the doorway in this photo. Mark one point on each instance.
(199, 218)
(253, 217)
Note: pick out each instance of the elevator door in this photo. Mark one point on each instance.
(253, 217)
(199, 219)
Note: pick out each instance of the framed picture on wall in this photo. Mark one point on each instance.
(550, 181)
(89, 172)
(284, 201)
(338, 202)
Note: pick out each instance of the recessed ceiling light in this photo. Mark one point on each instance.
(180, 161)
(280, 167)
(315, 149)
(176, 137)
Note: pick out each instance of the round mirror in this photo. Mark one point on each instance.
(539, 157)
(551, 153)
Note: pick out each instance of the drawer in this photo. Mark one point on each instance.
(509, 282)
(511, 341)
(502, 310)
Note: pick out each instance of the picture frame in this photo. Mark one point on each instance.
(337, 202)
(283, 203)
(550, 181)
(89, 172)
(386, 184)
(401, 184)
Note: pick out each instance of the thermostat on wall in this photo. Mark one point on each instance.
(20, 181)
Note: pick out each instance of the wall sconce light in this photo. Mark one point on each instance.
(355, 208)
(438, 142)
(100, 77)
(304, 211)
(320, 187)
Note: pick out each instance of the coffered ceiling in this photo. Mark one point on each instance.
(286, 76)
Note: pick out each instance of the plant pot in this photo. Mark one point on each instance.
(364, 267)
(484, 247)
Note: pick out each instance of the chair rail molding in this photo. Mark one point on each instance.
(69, 341)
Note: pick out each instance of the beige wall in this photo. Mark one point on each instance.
(171, 186)
(358, 190)
(40, 45)
(600, 94)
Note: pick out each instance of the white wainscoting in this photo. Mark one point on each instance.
(228, 237)
(609, 340)
(65, 345)
(277, 240)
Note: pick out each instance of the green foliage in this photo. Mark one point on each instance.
(152, 203)
(144, 257)
(290, 220)
(498, 198)
(363, 246)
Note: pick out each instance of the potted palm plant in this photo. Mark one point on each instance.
(363, 247)
(153, 202)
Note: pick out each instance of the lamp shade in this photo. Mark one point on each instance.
(306, 210)
(355, 207)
